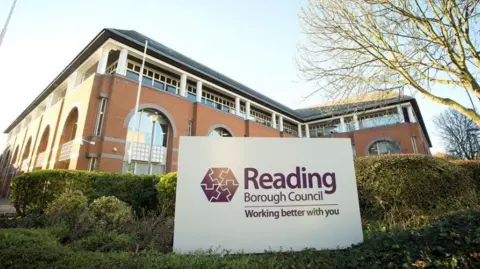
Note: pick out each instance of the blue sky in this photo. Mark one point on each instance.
(254, 42)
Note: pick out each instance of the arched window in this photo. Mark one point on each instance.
(383, 147)
(222, 132)
(149, 135)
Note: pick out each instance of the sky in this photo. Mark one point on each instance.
(254, 42)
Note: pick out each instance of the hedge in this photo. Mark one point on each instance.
(396, 188)
(473, 166)
(32, 192)
(453, 242)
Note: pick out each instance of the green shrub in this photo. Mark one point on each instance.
(67, 208)
(29, 248)
(105, 241)
(473, 166)
(166, 190)
(32, 192)
(136, 190)
(453, 242)
(108, 213)
(397, 188)
(152, 231)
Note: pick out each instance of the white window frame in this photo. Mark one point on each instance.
(101, 116)
(92, 163)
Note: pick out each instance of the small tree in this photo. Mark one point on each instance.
(358, 46)
(459, 134)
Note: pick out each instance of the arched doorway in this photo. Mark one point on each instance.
(41, 158)
(25, 155)
(220, 132)
(147, 143)
(10, 171)
(67, 139)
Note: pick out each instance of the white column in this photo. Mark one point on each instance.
(280, 123)
(247, 110)
(411, 115)
(237, 106)
(307, 131)
(183, 85)
(355, 121)
(102, 63)
(299, 130)
(122, 62)
(274, 120)
(400, 113)
(343, 128)
(199, 91)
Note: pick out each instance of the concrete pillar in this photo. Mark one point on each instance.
(355, 121)
(183, 85)
(307, 131)
(280, 123)
(247, 110)
(400, 113)
(274, 120)
(122, 62)
(237, 106)
(411, 114)
(199, 91)
(343, 128)
(102, 63)
(299, 126)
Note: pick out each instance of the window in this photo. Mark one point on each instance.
(414, 144)
(190, 127)
(261, 118)
(325, 128)
(290, 128)
(100, 117)
(92, 164)
(380, 118)
(220, 132)
(152, 77)
(217, 101)
(383, 147)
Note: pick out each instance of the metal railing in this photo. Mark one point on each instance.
(66, 151)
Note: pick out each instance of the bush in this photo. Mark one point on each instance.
(29, 248)
(108, 213)
(474, 169)
(152, 231)
(396, 188)
(67, 208)
(32, 192)
(452, 242)
(166, 189)
(104, 241)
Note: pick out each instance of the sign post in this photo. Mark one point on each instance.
(255, 194)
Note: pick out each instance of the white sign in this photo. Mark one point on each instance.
(257, 194)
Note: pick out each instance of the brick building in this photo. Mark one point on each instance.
(84, 118)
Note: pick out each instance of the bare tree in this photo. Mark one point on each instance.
(458, 134)
(355, 47)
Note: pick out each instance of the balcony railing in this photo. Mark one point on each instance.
(141, 152)
(41, 159)
(66, 151)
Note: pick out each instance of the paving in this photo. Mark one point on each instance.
(6, 209)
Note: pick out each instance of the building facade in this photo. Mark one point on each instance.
(85, 118)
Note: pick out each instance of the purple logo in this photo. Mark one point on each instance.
(219, 185)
